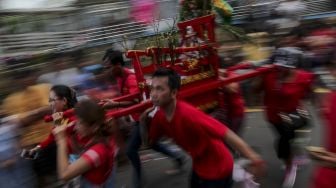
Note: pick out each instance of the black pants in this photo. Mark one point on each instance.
(45, 166)
(198, 182)
(282, 145)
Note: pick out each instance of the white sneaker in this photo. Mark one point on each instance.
(290, 177)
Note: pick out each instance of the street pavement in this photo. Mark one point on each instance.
(257, 133)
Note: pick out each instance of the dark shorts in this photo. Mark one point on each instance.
(198, 182)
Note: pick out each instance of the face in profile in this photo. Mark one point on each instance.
(114, 70)
(161, 94)
(56, 103)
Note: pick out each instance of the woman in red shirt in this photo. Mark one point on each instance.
(89, 139)
(61, 98)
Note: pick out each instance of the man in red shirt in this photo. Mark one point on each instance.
(127, 84)
(284, 91)
(198, 134)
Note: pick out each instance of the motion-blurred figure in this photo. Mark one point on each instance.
(325, 173)
(15, 172)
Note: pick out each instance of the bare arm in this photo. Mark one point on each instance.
(65, 170)
(34, 115)
(109, 104)
(237, 143)
(232, 87)
(325, 158)
(329, 159)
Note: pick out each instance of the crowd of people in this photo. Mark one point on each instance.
(82, 149)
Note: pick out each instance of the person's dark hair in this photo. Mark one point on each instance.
(63, 91)
(114, 57)
(93, 117)
(174, 80)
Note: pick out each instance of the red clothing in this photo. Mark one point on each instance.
(285, 97)
(330, 116)
(234, 102)
(100, 155)
(198, 134)
(128, 85)
(51, 139)
(325, 177)
(107, 92)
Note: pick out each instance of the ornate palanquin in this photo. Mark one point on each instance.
(198, 65)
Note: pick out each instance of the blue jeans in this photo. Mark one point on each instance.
(19, 175)
(132, 152)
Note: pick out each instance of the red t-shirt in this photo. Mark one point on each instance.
(128, 85)
(234, 102)
(100, 156)
(325, 177)
(285, 97)
(330, 116)
(198, 134)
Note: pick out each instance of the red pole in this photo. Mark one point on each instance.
(126, 111)
(212, 85)
(244, 65)
(193, 91)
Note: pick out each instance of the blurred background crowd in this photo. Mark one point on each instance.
(49, 42)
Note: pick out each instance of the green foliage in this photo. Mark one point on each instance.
(194, 8)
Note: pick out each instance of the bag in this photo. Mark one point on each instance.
(241, 176)
(296, 120)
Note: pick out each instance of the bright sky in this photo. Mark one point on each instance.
(28, 4)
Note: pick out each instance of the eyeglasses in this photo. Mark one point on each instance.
(53, 100)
